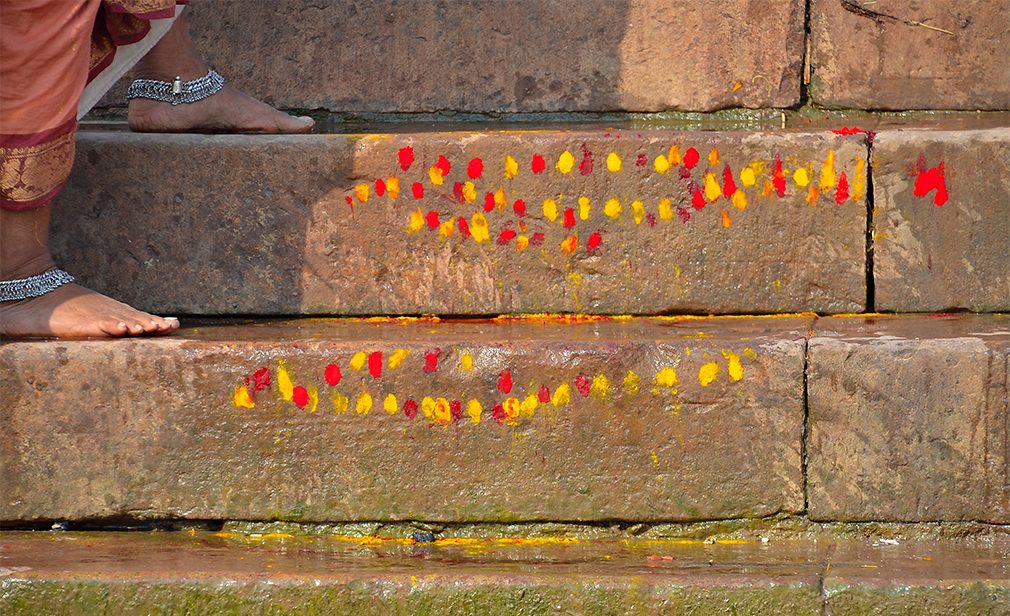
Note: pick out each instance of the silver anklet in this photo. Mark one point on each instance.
(177, 91)
(33, 286)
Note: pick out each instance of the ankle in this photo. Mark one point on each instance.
(28, 265)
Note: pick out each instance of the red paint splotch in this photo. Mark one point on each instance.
(728, 185)
(432, 219)
(431, 360)
(375, 364)
(779, 178)
(418, 190)
(519, 207)
(475, 168)
(650, 219)
(349, 200)
(538, 164)
(457, 192)
(300, 396)
(691, 158)
(506, 236)
(847, 130)
(498, 413)
(586, 166)
(505, 381)
(683, 214)
(332, 375)
(929, 180)
(641, 160)
(406, 156)
(544, 394)
(594, 241)
(410, 409)
(697, 199)
(842, 189)
(443, 165)
(455, 410)
(489, 202)
(569, 218)
(582, 384)
(261, 379)
(464, 227)
(537, 239)
(380, 187)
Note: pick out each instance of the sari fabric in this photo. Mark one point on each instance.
(49, 51)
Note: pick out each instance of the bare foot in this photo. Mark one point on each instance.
(72, 311)
(227, 111)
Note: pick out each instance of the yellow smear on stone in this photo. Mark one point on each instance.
(550, 209)
(612, 208)
(584, 208)
(631, 382)
(726, 220)
(428, 407)
(511, 167)
(242, 399)
(474, 410)
(667, 377)
(828, 179)
(613, 162)
(740, 200)
(638, 210)
(575, 278)
(416, 221)
(393, 187)
(801, 177)
(747, 176)
(735, 368)
(665, 209)
(713, 157)
(363, 404)
(361, 192)
(478, 228)
(674, 155)
(469, 192)
(565, 162)
(435, 175)
(708, 373)
(562, 395)
(812, 195)
(396, 357)
(522, 242)
(313, 398)
(358, 360)
(446, 228)
(661, 164)
(511, 407)
(465, 362)
(600, 386)
(655, 459)
(442, 411)
(570, 243)
(499, 197)
(284, 384)
(712, 189)
(529, 405)
(749, 353)
(859, 181)
(340, 402)
(390, 405)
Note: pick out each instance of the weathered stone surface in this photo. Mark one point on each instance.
(932, 254)
(908, 418)
(204, 574)
(919, 54)
(657, 419)
(492, 56)
(296, 225)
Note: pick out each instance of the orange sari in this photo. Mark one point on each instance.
(49, 51)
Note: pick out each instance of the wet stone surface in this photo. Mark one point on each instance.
(317, 420)
(594, 221)
(908, 418)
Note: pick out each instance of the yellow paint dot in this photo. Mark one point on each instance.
(446, 228)
(638, 210)
(712, 190)
(737, 85)
(613, 162)
(550, 209)
(750, 354)
(469, 192)
(428, 407)
(390, 405)
(674, 155)
(465, 362)
(364, 403)
(565, 162)
(522, 242)
(361, 192)
(584, 208)
(313, 398)
(511, 167)
(393, 187)
(435, 175)
(562, 395)
(478, 228)
(665, 209)
(511, 407)
(667, 377)
(740, 200)
(474, 410)
(340, 402)
(529, 406)
(661, 164)
(600, 386)
(713, 157)
(631, 382)
(707, 373)
(358, 360)
(801, 177)
(284, 384)
(612, 208)
(726, 220)
(396, 357)
(499, 198)
(747, 176)
(828, 178)
(570, 243)
(242, 399)
(735, 368)
(442, 411)
(416, 221)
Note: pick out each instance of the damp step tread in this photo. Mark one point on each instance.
(223, 573)
(865, 417)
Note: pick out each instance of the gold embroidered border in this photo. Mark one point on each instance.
(30, 172)
(139, 7)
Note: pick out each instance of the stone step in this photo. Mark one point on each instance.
(223, 573)
(318, 420)
(483, 222)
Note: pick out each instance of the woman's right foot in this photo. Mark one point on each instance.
(72, 311)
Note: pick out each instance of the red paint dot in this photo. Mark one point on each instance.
(539, 164)
(375, 364)
(684, 173)
(456, 410)
(418, 190)
(842, 190)
(349, 200)
(537, 239)
(475, 169)
(444, 165)
(683, 214)
(431, 360)
(728, 185)
(586, 166)
(488, 202)
(691, 158)
(642, 160)
(519, 207)
(779, 178)
(931, 179)
(569, 218)
(261, 379)
(406, 156)
(332, 375)
(410, 409)
(506, 236)
(544, 395)
(505, 381)
(457, 192)
(464, 228)
(697, 199)
(582, 384)
(651, 219)
(845, 130)
(594, 241)
(498, 413)
(432, 218)
(380, 187)
(300, 396)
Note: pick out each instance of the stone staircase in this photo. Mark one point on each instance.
(500, 340)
